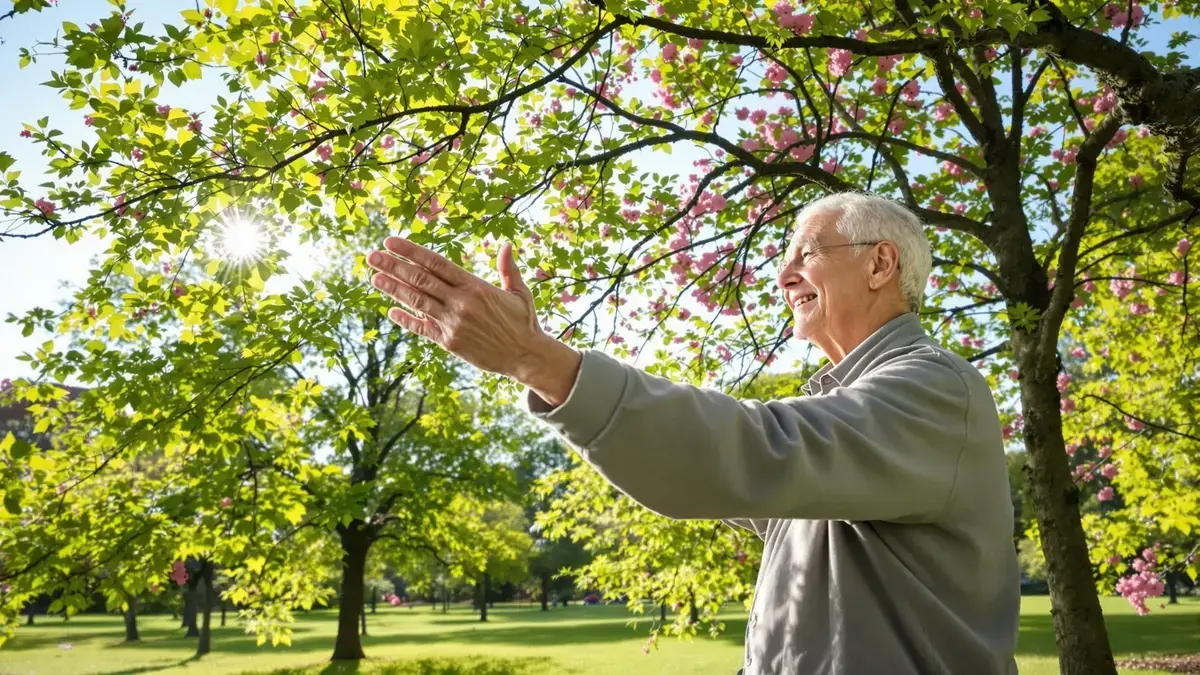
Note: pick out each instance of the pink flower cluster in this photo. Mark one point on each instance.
(1145, 583)
(799, 24)
(392, 598)
(1116, 13)
(179, 573)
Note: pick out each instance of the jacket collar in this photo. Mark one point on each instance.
(900, 331)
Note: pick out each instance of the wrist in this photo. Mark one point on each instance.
(549, 370)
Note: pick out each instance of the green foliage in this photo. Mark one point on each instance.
(548, 124)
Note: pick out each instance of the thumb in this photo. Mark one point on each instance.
(510, 276)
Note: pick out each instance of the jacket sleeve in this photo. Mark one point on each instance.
(885, 447)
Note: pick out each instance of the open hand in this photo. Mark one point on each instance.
(495, 329)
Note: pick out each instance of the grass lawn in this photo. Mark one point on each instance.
(515, 641)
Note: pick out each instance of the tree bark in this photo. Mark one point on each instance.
(29, 618)
(363, 618)
(1172, 592)
(204, 646)
(1079, 628)
(545, 592)
(693, 611)
(662, 611)
(484, 589)
(131, 627)
(189, 610)
(355, 545)
(223, 604)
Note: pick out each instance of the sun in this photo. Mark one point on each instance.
(241, 239)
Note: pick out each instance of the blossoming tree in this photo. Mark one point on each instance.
(1039, 141)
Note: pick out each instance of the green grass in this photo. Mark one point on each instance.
(516, 641)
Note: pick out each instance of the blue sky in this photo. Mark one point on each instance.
(41, 272)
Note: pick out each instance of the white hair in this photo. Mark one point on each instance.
(864, 217)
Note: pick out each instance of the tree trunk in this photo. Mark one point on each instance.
(662, 611)
(693, 611)
(204, 646)
(1079, 628)
(484, 588)
(131, 628)
(363, 618)
(223, 611)
(355, 545)
(373, 599)
(1172, 593)
(545, 592)
(29, 618)
(189, 610)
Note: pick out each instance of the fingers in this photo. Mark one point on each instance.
(510, 275)
(411, 275)
(440, 267)
(423, 327)
(407, 295)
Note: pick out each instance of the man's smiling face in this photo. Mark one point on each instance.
(822, 278)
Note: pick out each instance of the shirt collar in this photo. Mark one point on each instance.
(902, 330)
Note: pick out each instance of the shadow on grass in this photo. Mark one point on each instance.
(472, 665)
(1128, 634)
(153, 669)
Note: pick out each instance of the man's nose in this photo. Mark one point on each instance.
(787, 277)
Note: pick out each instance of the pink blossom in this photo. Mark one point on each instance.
(179, 291)
(1006, 432)
(1064, 381)
(1110, 471)
(324, 151)
(696, 43)
(1176, 278)
(897, 125)
(751, 145)
(656, 76)
(1106, 493)
(1067, 405)
(1013, 374)
(1037, 131)
(274, 36)
(776, 73)
(735, 61)
(25, 133)
(886, 63)
(783, 8)
(839, 62)
(1134, 424)
(943, 112)
(226, 502)
(975, 13)
(800, 24)
(911, 90)
(1140, 309)
(879, 86)
(1183, 247)
(758, 116)
(540, 274)
(179, 573)
(669, 52)
(45, 206)
(261, 59)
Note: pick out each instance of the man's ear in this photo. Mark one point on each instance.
(885, 265)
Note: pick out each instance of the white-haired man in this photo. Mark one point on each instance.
(882, 495)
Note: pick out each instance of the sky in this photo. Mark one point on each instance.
(41, 272)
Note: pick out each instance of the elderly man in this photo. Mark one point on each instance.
(882, 496)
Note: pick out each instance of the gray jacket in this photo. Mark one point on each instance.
(882, 498)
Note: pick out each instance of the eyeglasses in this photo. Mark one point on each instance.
(811, 252)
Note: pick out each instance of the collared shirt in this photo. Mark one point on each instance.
(882, 498)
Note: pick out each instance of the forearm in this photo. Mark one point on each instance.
(550, 371)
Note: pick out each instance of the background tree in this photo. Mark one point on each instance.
(1013, 130)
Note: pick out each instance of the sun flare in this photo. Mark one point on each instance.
(241, 239)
